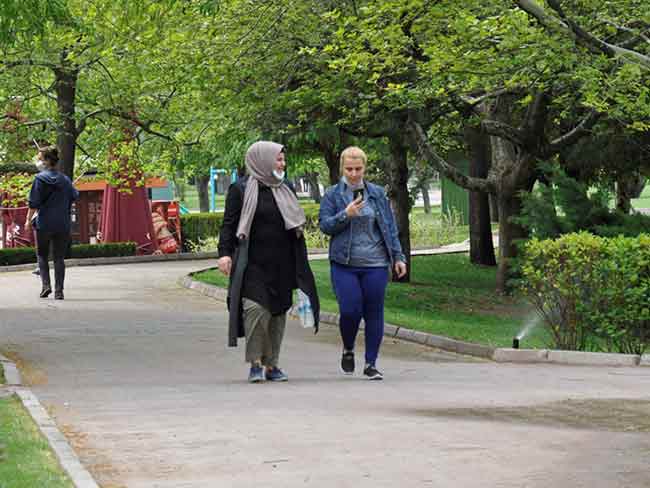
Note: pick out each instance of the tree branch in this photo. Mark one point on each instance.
(637, 38)
(81, 126)
(567, 26)
(571, 137)
(473, 101)
(25, 62)
(504, 131)
(145, 125)
(427, 153)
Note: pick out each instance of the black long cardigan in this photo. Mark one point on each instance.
(230, 245)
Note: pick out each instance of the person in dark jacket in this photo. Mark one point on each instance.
(262, 248)
(364, 247)
(52, 195)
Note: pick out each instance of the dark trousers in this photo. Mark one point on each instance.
(59, 242)
(360, 293)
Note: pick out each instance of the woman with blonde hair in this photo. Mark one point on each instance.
(364, 246)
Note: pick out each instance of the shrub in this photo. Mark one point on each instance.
(563, 206)
(591, 292)
(625, 225)
(26, 255)
(201, 230)
(208, 244)
(315, 239)
(17, 255)
(104, 250)
(18, 167)
(311, 215)
(196, 227)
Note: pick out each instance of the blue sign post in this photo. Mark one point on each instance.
(213, 189)
(214, 174)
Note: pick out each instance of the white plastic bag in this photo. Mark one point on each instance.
(304, 311)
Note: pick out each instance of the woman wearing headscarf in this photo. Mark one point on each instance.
(364, 246)
(262, 249)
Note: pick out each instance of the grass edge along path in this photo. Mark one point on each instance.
(447, 296)
(26, 459)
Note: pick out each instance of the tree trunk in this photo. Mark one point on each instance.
(331, 146)
(628, 186)
(516, 173)
(332, 159)
(202, 188)
(399, 195)
(65, 85)
(509, 233)
(313, 186)
(494, 208)
(481, 247)
(426, 199)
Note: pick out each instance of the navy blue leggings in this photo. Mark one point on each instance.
(360, 293)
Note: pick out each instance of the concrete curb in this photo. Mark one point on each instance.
(500, 355)
(66, 456)
(68, 459)
(593, 358)
(506, 355)
(12, 375)
(390, 330)
(187, 256)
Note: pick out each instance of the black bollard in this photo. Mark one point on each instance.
(515, 343)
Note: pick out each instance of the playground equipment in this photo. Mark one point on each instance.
(167, 225)
(13, 232)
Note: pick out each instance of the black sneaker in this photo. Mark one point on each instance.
(58, 295)
(347, 362)
(372, 373)
(45, 292)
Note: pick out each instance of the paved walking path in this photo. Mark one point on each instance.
(135, 371)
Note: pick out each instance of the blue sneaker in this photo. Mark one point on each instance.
(256, 374)
(276, 374)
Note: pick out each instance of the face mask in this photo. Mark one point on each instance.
(278, 174)
(39, 165)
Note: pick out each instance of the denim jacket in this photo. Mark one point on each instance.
(335, 223)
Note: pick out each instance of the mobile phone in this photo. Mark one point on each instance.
(356, 193)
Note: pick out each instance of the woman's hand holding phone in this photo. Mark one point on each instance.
(355, 206)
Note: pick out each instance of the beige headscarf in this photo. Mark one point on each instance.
(260, 163)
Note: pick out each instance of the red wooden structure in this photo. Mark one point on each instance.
(13, 232)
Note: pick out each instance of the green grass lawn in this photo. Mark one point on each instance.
(191, 200)
(25, 457)
(447, 296)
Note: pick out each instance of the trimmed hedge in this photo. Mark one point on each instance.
(593, 293)
(26, 255)
(199, 226)
(17, 255)
(105, 250)
(18, 167)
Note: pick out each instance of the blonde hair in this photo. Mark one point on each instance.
(352, 152)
